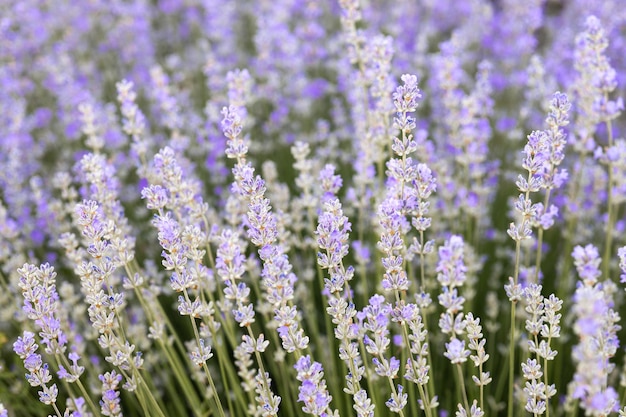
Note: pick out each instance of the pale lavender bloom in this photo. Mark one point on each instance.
(239, 86)
(451, 274)
(402, 170)
(534, 389)
(621, 252)
(230, 266)
(405, 100)
(512, 38)
(377, 319)
(169, 111)
(183, 191)
(201, 353)
(133, 120)
(277, 274)
(474, 411)
(39, 375)
(110, 402)
(477, 344)
(542, 154)
(363, 405)
(232, 126)
(262, 222)
(451, 268)
(379, 51)
(614, 157)
(155, 196)
(387, 368)
(456, 352)
(103, 185)
(398, 400)
(557, 119)
(548, 170)
(595, 80)
(361, 252)
(425, 184)
(332, 237)
(312, 391)
(95, 277)
(269, 403)
(394, 225)
(536, 155)
(596, 326)
(331, 183)
(75, 370)
(587, 261)
(41, 304)
(545, 219)
(590, 49)
(351, 14)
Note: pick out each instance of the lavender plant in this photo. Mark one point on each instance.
(247, 208)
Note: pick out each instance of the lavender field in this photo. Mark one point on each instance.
(312, 207)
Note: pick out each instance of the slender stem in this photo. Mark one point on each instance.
(511, 361)
(262, 369)
(462, 386)
(393, 390)
(56, 409)
(545, 379)
(81, 387)
(540, 240)
(481, 388)
(610, 224)
(204, 366)
(512, 341)
(606, 260)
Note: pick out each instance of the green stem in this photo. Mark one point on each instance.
(459, 375)
(606, 264)
(511, 362)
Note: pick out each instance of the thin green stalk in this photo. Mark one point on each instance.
(204, 366)
(214, 390)
(224, 374)
(56, 410)
(608, 243)
(261, 367)
(481, 389)
(511, 362)
(95, 410)
(545, 379)
(431, 381)
(395, 392)
(540, 241)
(461, 382)
(173, 360)
(512, 342)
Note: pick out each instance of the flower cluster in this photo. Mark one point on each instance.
(245, 208)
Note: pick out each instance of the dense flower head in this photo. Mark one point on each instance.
(456, 352)
(587, 262)
(232, 127)
(596, 326)
(406, 96)
(313, 387)
(451, 268)
(597, 78)
(39, 374)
